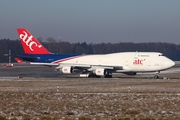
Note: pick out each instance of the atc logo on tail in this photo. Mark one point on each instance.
(30, 44)
(28, 40)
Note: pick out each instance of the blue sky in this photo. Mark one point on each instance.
(93, 21)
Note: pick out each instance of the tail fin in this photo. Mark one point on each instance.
(30, 44)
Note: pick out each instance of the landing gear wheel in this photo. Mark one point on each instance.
(108, 75)
(156, 77)
(91, 75)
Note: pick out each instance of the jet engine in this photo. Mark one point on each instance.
(66, 70)
(99, 72)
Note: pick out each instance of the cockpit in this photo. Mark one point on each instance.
(161, 54)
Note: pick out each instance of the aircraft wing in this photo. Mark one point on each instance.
(75, 66)
(85, 67)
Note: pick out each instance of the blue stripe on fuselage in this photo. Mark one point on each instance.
(46, 58)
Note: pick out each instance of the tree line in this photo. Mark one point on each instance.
(170, 50)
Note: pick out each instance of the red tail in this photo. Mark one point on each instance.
(30, 44)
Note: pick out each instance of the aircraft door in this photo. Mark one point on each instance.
(136, 55)
(135, 67)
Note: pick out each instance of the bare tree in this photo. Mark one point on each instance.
(51, 40)
(40, 39)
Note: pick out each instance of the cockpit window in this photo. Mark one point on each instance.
(160, 54)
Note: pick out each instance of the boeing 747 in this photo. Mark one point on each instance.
(96, 65)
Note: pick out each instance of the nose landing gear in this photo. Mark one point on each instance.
(156, 76)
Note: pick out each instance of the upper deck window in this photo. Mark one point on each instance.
(144, 55)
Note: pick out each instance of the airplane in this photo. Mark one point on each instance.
(92, 65)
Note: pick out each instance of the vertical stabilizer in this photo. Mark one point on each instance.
(30, 44)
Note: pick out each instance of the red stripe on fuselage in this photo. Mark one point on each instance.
(69, 58)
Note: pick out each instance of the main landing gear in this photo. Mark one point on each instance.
(156, 76)
(107, 75)
(91, 75)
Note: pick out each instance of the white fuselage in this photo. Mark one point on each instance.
(129, 61)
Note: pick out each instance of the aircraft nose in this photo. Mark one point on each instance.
(169, 63)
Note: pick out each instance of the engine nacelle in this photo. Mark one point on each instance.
(99, 72)
(66, 70)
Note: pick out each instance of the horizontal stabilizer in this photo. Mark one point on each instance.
(28, 58)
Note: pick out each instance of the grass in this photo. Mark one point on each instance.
(83, 99)
(87, 106)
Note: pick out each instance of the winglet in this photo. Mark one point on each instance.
(30, 44)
